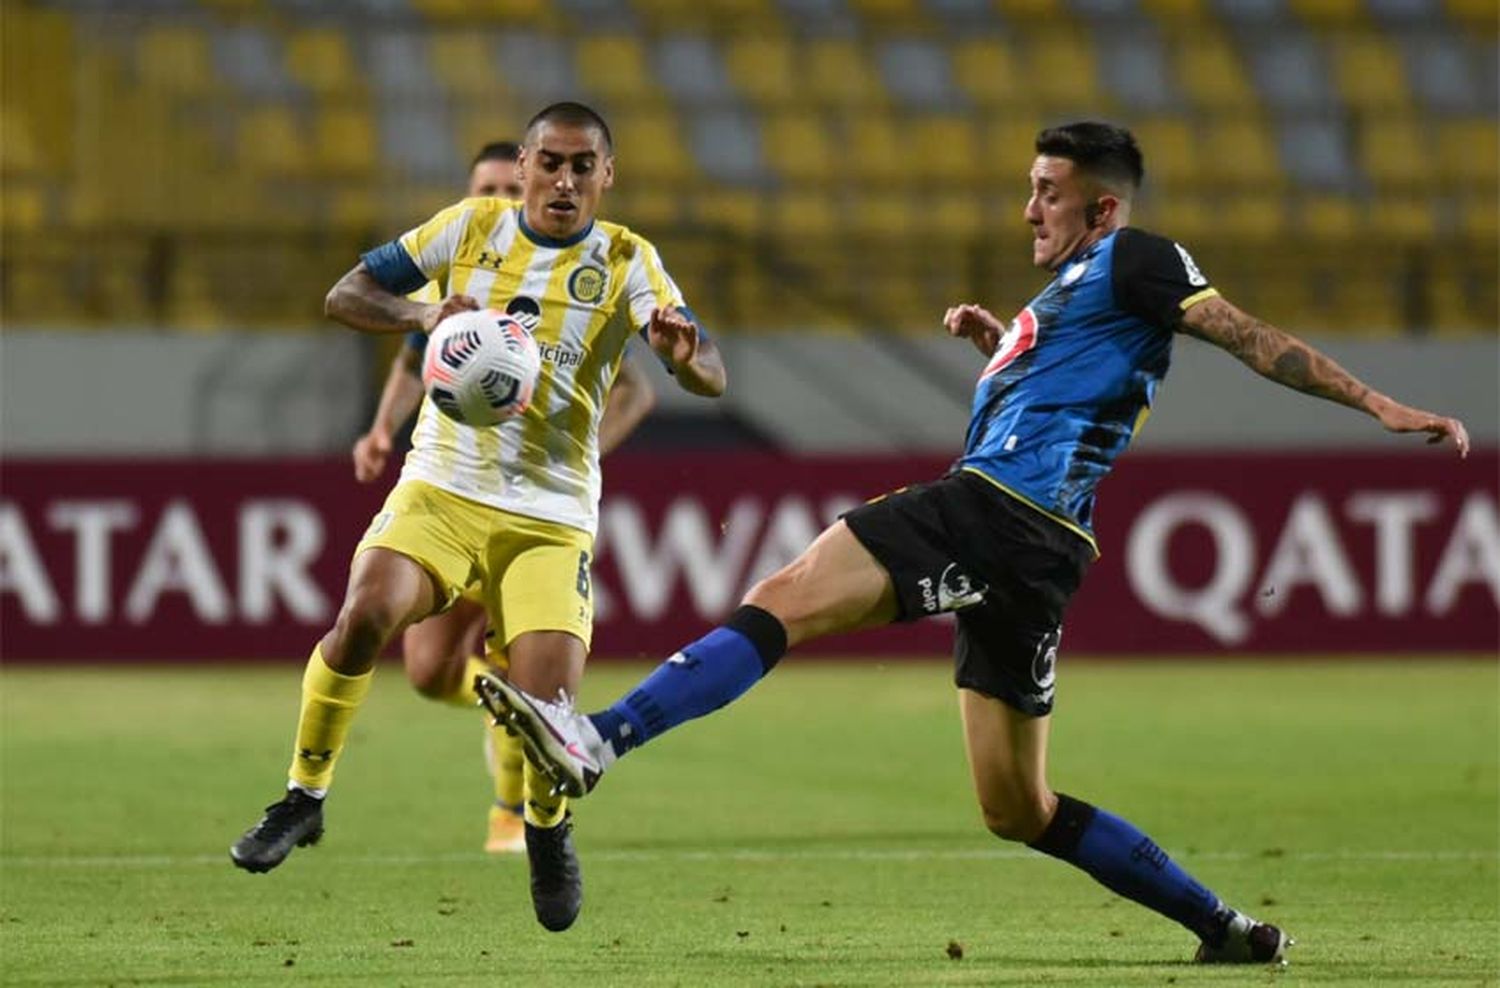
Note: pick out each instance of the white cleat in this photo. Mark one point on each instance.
(1247, 941)
(561, 741)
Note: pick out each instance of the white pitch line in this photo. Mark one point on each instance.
(770, 855)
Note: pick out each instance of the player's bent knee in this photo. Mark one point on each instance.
(1022, 821)
(366, 622)
(428, 672)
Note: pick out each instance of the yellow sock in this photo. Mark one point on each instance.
(542, 808)
(329, 702)
(463, 694)
(507, 765)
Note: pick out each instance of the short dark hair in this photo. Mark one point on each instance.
(497, 151)
(572, 114)
(1102, 150)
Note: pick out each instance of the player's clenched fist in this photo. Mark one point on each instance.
(975, 323)
(673, 336)
(442, 310)
(371, 451)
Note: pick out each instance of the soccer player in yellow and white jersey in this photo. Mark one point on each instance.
(512, 507)
(442, 654)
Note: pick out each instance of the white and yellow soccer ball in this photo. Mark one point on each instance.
(480, 368)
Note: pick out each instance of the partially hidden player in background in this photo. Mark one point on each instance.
(1004, 540)
(443, 653)
(511, 508)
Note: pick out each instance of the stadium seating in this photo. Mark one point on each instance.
(793, 156)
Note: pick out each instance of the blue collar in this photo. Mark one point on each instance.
(542, 240)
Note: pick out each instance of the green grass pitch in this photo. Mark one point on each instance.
(819, 832)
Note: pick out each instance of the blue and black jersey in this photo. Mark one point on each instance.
(1074, 376)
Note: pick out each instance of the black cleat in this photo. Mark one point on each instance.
(556, 882)
(295, 821)
(1246, 941)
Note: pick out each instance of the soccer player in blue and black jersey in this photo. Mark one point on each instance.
(1003, 540)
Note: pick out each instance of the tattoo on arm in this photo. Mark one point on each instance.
(360, 302)
(1275, 354)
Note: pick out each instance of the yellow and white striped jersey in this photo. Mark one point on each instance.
(582, 299)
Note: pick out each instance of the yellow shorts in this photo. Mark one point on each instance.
(530, 575)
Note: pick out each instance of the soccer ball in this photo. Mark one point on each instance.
(480, 367)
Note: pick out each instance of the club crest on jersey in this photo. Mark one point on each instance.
(526, 311)
(1017, 340)
(586, 284)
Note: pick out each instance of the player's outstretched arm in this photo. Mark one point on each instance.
(976, 324)
(399, 397)
(361, 302)
(1281, 357)
(631, 399)
(693, 358)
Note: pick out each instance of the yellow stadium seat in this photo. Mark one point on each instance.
(511, 12)
(802, 214)
(764, 67)
(887, 13)
(1480, 16)
(464, 63)
(42, 68)
(1171, 152)
(959, 215)
(949, 143)
(344, 141)
(490, 120)
(21, 207)
(614, 66)
(1479, 220)
(1211, 73)
(1330, 12)
(352, 206)
(1366, 297)
(732, 210)
(1394, 152)
(1252, 217)
(1240, 152)
(1181, 216)
(1403, 220)
(1468, 153)
(1174, 11)
(838, 72)
(797, 145)
(1455, 306)
(1061, 72)
(877, 151)
(175, 58)
(1010, 149)
(18, 151)
(649, 147)
(320, 59)
(269, 141)
(882, 215)
(1369, 73)
(647, 209)
(986, 71)
(1048, 11)
(1326, 218)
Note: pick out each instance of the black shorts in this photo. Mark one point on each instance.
(1007, 571)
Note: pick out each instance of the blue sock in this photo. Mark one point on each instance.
(1128, 862)
(699, 679)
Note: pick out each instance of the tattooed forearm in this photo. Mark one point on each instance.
(1276, 354)
(358, 301)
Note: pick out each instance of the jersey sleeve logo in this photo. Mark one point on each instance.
(1194, 276)
(1017, 340)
